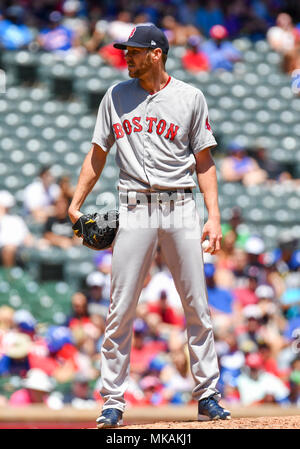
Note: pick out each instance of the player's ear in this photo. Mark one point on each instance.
(157, 54)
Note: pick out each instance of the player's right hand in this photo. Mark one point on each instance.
(212, 231)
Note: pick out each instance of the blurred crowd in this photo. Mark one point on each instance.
(253, 166)
(254, 299)
(206, 28)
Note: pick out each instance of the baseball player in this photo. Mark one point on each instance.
(162, 134)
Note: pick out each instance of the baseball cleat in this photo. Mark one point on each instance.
(110, 417)
(209, 409)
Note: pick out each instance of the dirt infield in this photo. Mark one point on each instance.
(164, 417)
(269, 422)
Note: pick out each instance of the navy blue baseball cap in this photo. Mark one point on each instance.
(145, 36)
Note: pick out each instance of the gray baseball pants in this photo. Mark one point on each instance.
(175, 227)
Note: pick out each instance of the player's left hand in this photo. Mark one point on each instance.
(212, 230)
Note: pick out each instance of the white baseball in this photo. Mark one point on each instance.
(205, 245)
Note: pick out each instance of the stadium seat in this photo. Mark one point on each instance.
(38, 94)
(232, 189)
(273, 58)
(295, 104)
(274, 104)
(228, 103)
(239, 91)
(71, 160)
(75, 108)
(52, 107)
(258, 215)
(94, 60)
(60, 79)
(87, 122)
(173, 63)
(85, 146)
(25, 132)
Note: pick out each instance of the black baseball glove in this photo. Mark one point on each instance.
(97, 230)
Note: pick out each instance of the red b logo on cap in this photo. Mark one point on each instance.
(132, 32)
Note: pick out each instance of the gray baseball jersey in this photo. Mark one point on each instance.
(156, 135)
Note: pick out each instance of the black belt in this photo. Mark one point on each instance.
(150, 196)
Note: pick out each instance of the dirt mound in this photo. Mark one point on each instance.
(270, 422)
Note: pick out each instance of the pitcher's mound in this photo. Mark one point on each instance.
(269, 422)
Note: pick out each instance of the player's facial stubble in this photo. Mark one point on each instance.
(139, 64)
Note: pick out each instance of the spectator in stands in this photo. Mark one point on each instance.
(97, 303)
(103, 264)
(25, 322)
(220, 300)
(36, 389)
(143, 350)
(240, 235)
(40, 195)
(272, 275)
(239, 271)
(14, 359)
(257, 386)
(120, 29)
(244, 295)
(291, 65)
(271, 313)
(175, 32)
(66, 188)
(194, 60)
(6, 320)
(80, 396)
(208, 16)
(239, 167)
(266, 301)
(58, 230)
(231, 361)
(294, 382)
(14, 33)
(254, 247)
(61, 361)
(113, 56)
(274, 170)
(56, 37)
(285, 253)
(73, 20)
(241, 19)
(87, 333)
(167, 315)
(269, 362)
(254, 332)
(221, 53)
(283, 36)
(225, 255)
(153, 391)
(291, 336)
(96, 36)
(79, 314)
(14, 233)
(161, 280)
(177, 378)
